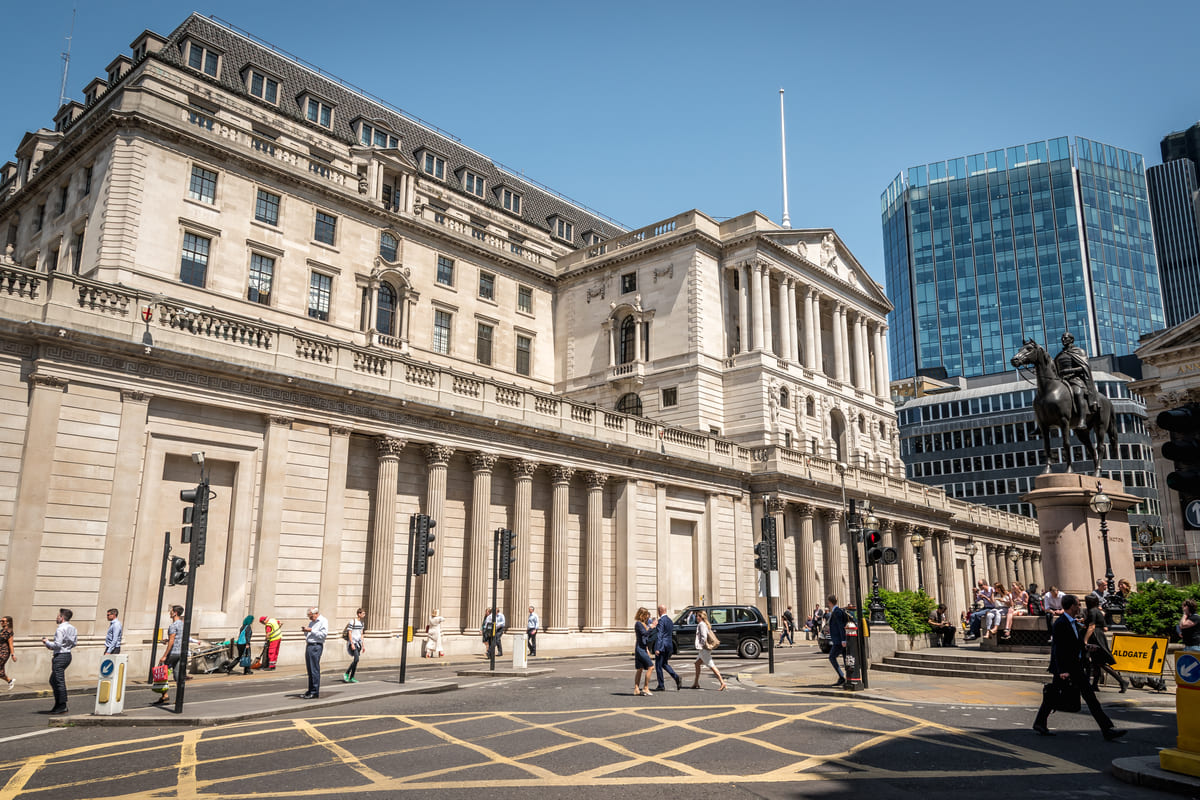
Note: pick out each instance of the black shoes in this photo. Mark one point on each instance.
(1042, 730)
(57, 711)
(840, 682)
(309, 696)
(659, 689)
(1112, 734)
(678, 683)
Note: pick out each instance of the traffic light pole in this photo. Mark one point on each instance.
(162, 585)
(855, 569)
(196, 557)
(770, 538)
(495, 611)
(412, 538)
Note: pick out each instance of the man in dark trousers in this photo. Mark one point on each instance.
(788, 629)
(664, 646)
(1066, 666)
(837, 636)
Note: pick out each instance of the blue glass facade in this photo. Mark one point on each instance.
(1027, 242)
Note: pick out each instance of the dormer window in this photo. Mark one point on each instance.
(262, 86)
(510, 200)
(591, 237)
(562, 229)
(93, 90)
(203, 58)
(318, 111)
(433, 164)
(473, 183)
(374, 136)
(117, 69)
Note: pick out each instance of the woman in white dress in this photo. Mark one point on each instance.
(704, 651)
(433, 644)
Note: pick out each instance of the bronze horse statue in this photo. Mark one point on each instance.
(1052, 405)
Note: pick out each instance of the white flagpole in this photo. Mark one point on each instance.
(787, 220)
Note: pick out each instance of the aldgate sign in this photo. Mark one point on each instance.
(1139, 653)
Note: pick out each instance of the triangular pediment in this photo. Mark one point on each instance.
(824, 249)
(1165, 342)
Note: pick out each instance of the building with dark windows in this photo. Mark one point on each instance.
(1174, 192)
(977, 439)
(1028, 242)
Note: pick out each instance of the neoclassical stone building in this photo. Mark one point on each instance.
(357, 318)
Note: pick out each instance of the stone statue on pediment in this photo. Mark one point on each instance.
(802, 249)
(828, 251)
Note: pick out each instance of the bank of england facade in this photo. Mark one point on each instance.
(356, 318)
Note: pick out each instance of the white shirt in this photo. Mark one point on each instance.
(356, 630)
(64, 639)
(1052, 603)
(702, 636)
(318, 629)
(533, 623)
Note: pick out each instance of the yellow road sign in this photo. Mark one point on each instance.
(1139, 653)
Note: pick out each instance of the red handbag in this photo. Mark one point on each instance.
(159, 674)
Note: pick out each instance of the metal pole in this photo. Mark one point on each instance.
(184, 654)
(1108, 573)
(768, 532)
(412, 530)
(162, 585)
(858, 598)
(495, 612)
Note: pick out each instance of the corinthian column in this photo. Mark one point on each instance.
(743, 309)
(839, 343)
(889, 575)
(593, 567)
(808, 588)
(818, 364)
(929, 563)
(768, 328)
(793, 324)
(480, 546)
(908, 557)
(810, 336)
(786, 326)
(756, 307)
(831, 549)
(436, 458)
(946, 570)
(383, 535)
(556, 590)
(519, 598)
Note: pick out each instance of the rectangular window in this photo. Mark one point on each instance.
(511, 201)
(194, 265)
(320, 289)
(52, 261)
(524, 346)
(435, 166)
(264, 87)
(629, 282)
(39, 218)
(262, 271)
(374, 137)
(441, 331)
(203, 186)
(319, 112)
(64, 194)
(445, 271)
(564, 230)
(87, 181)
(487, 286)
(670, 397)
(77, 253)
(525, 299)
(473, 183)
(266, 207)
(326, 228)
(483, 343)
(203, 59)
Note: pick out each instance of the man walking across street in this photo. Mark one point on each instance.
(274, 637)
(495, 635)
(173, 652)
(62, 644)
(112, 639)
(1066, 667)
(837, 636)
(531, 628)
(314, 636)
(788, 629)
(664, 646)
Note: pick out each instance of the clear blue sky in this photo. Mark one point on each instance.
(642, 110)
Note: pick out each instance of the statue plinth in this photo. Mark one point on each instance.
(1072, 548)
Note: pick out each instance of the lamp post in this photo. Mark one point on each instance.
(870, 525)
(972, 549)
(1114, 604)
(1013, 556)
(854, 529)
(917, 541)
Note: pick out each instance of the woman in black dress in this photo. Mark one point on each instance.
(641, 657)
(1101, 656)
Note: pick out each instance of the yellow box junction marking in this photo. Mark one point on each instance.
(1139, 653)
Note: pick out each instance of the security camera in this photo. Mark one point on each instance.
(198, 459)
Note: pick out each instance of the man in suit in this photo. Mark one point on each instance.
(837, 636)
(1066, 665)
(664, 646)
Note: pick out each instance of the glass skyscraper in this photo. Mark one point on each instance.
(984, 251)
(1175, 204)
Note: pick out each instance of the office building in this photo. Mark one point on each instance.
(1174, 205)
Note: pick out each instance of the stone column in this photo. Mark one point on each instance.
(380, 577)
(839, 343)
(270, 518)
(794, 326)
(889, 575)
(1038, 574)
(809, 353)
(122, 514)
(556, 589)
(743, 311)
(786, 326)
(994, 573)
(768, 327)
(479, 547)
(866, 382)
(522, 471)
(908, 556)
(756, 307)
(784, 556)
(1010, 568)
(437, 457)
(881, 385)
(808, 587)
(593, 565)
(946, 571)
(856, 349)
(818, 364)
(929, 572)
(335, 519)
(831, 549)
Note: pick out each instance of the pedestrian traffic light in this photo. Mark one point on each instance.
(424, 544)
(771, 552)
(195, 520)
(765, 560)
(178, 574)
(1183, 423)
(504, 555)
(873, 545)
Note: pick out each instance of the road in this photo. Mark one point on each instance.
(579, 732)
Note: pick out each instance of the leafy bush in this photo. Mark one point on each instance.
(906, 612)
(1154, 608)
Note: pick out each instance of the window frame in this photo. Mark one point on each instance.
(629, 282)
(443, 335)
(368, 133)
(87, 180)
(207, 255)
(433, 165)
(332, 225)
(510, 200)
(200, 197)
(315, 277)
(672, 399)
(488, 279)
(258, 200)
(267, 80)
(523, 362)
(325, 110)
(473, 183)
(77, 251)
(446, 264)
(395, 247)
(524, 292)
(393, 312)
(207, 52)
(64, 198)
(485, 340)
(261, 299)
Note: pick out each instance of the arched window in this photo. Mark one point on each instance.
(385, 313)
(837, 432)
(630, 404)
(388, 246)
(628, 346)
(784, 398)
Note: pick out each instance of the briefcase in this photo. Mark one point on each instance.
(1062, 694)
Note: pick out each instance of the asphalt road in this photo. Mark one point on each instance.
(579, 732)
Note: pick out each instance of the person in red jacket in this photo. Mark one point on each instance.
(274, 636)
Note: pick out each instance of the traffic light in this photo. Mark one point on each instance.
(504, 555)
(178, 574)
(195, 520)
(424, 544)
(762, 557)
(873, 545)
(1184, 448)
(768, 535)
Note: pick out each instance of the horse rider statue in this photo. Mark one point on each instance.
(1072, 365)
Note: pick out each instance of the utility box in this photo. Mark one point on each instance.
(520, 652)
(110, 686)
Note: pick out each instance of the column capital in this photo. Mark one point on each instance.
(276, 420)
(903, 529)
(832, 514)
(522, 467)
(805, 510)
(594, 479)
(482, 462)
(338, 430)
(438, 454)
(561, 474)
(387, 446)
(886, 525)
(941, 535)
(777, 505)
(134, 396)
(50, 381)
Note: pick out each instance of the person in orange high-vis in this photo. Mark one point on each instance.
(274, 637)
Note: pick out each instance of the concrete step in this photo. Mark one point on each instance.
(951, 672)
(950, 656)
(963, 669)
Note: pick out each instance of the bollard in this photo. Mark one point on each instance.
(110, 686)
(850, 658)
(519, 651)
(1185, 756)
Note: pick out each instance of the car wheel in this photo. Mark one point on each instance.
(825, 646)
(749, 648)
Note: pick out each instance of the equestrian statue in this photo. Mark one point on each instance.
(1067, 399)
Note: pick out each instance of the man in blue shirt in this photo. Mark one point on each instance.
(112, 639)
(531, 629)
(664, 646)
(62, 644)
(314, 636)
(837, 636)
(495, 635)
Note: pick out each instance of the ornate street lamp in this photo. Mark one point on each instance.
(917, 540)
(972, 549)
(870, 525)
(1114, 604)
(1013, 555)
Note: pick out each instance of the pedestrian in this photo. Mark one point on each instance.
(433, 630)
(837, 636)
(1052, 607)
(1096, 644)
(62, 644)
(112, 637)
(531, 630)
(818, 616)
(641, 655)
(1124, 589)
(314, 638)
(493, 632)
(788, 629)
(274, 637)
(664, 647)
(173, 652)
(1101, 590)
(1066, 667)
(245, 634)
(1019, 607)
(354, 644)
(943, 628)
(1189, 626)
(6, 650)
(706, 642)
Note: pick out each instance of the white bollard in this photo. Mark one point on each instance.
(110, 687)
(519, 651)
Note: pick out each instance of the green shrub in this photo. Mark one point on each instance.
(1154, 608)
(906, 612)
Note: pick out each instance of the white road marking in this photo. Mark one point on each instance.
(27, 735)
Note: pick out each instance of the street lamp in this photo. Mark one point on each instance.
(917, 541)
(1114, 604)
(972, 549)
(1014, 556)
(870, 525)
(853, 526)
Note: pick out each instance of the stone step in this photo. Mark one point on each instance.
(957, 673)
(949, 655)
(966, 668)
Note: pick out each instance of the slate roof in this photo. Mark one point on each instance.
(239, 51)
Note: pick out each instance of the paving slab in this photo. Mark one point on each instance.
(502, 672)
(1145, 771)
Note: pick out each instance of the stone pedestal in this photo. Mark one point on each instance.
(1072, 550)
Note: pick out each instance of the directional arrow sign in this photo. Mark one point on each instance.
(1141, 654)
(1187, 667)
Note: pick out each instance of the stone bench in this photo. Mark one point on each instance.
(1028, 634)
